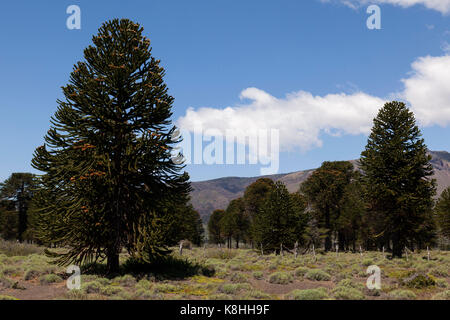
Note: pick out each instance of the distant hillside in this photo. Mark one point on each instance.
(216, 194)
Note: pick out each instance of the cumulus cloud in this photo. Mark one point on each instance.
(442, 6)
(428, 90)
(302, 117)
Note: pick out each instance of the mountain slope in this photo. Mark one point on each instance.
(216, 194)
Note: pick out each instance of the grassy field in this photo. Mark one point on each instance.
(25, 273)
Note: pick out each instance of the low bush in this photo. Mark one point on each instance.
(50, 278)
(401, 294)
(317, 275)
(281, 278)
(301, 271)
(442, 296)
(309, 294)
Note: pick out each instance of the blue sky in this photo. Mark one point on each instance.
(213, 50)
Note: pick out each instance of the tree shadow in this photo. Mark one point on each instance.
(164, 268)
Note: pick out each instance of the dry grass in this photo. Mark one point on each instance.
(25, 273)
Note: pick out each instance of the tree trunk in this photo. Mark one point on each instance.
(328, 243)
(397, 246)
(112, 264)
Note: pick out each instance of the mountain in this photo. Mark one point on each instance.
(209, 195)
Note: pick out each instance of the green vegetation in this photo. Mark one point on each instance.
(309, 294)
(199, 274)
(317, 275)
(281, 278)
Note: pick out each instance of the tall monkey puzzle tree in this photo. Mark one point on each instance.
(397, 177)
(107, 156)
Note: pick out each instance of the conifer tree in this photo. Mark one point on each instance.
(19, 188)
(215, 234)
(397, 177)
(443, 213)
(277, 222)
(8, 220)
(324, 190)
(183, 223)
(235, 222)
(107, 156)
(254, 197)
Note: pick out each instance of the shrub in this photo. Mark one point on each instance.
(419, 281)
(126, 280)
(111, 290)
(347, 293)
(309, 294)
(401, 294)
(143, 284)
(258, 275)
(232, 288)
(166, 288)
(5, 282)
(12, 248)
(367, 262)
(280, 278)
(301, 271)
(223, 254)
(350, 284)
(10, 270)
(256, 294)
(317, 275)
(239, 277)
(4, 297)
(442, 296)
(149, 294)
(441, 283)
(91, 287)
(220, 296)
(440, 271)
(50, 278)
(75, 294)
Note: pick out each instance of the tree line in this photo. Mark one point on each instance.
(385, 202)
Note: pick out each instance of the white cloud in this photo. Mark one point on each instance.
(302, 117)
(442, 6)
(428, 90)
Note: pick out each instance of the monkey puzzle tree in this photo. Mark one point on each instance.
(19, 189)
(214, 227)
(324, 190)
(235, 222)
(277, 222)
(107, 156)
(254, 197)
(397, 173)
(443, 213)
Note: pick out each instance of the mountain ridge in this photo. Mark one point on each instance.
(213, 194)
